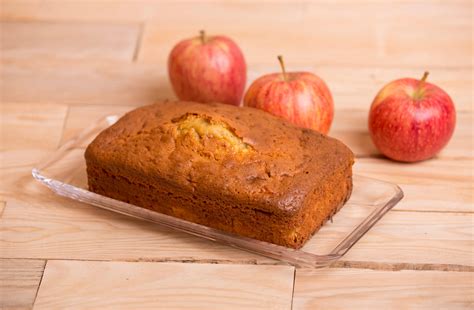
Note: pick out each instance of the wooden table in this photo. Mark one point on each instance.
(66, 63)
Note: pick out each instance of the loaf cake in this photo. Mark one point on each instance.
(240, 170)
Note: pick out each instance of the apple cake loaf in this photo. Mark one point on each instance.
(240, 170)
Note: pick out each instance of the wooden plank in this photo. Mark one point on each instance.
(100, 82)
(439, 198)
(17, 183)
(64, 229)
(418, 237)
(395, 43)
(22, 158)
(140, 11)
(68, 284)
(29, 132)
(440, 29)
(375, 289)
(433, 185)
(68, 41)
(448, 172)
(31, 126)
(112, 83)
(79, 115)
(19, 282)
(365, 33)
(14, 10)
(68, 230)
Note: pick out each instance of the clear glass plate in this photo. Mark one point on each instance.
(65, 173)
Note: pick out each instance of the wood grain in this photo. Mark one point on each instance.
(143, 11)
(68, 41)
(449, 172)
(118, 83)
(366, 33)
(63, 229)
(80, 115)
(18, 183)
(13, 159)
(29, 133)
(19, 282)
(31, 126)
(68, 284)
(433, 185)
(437, 198)
(418, 237)
(86, 82)
(363, 289)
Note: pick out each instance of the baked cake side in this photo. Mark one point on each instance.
(240, 170)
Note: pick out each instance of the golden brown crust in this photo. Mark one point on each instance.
(236, 169)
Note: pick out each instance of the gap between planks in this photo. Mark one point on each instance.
(338, 264)
(124, 105)
(80, 22)
(2, 207)
(401, 266)
(40, 281)
(63, 127)
(431, 211)
(293, 289)
(138, 43)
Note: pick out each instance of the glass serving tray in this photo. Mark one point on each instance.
(65, 173)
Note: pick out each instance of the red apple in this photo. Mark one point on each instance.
(208, 69)
(411, 120)
(299, 97)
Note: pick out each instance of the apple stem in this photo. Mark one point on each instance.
(202, 34)
(425, 76)
(418, 92)
(282, 65)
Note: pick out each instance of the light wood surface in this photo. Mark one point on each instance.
(367, 32)
(68, 40)
(60, 232)
(67, 284)
(137, 83)
(340, 288)
(64, 64)
(19, 282)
